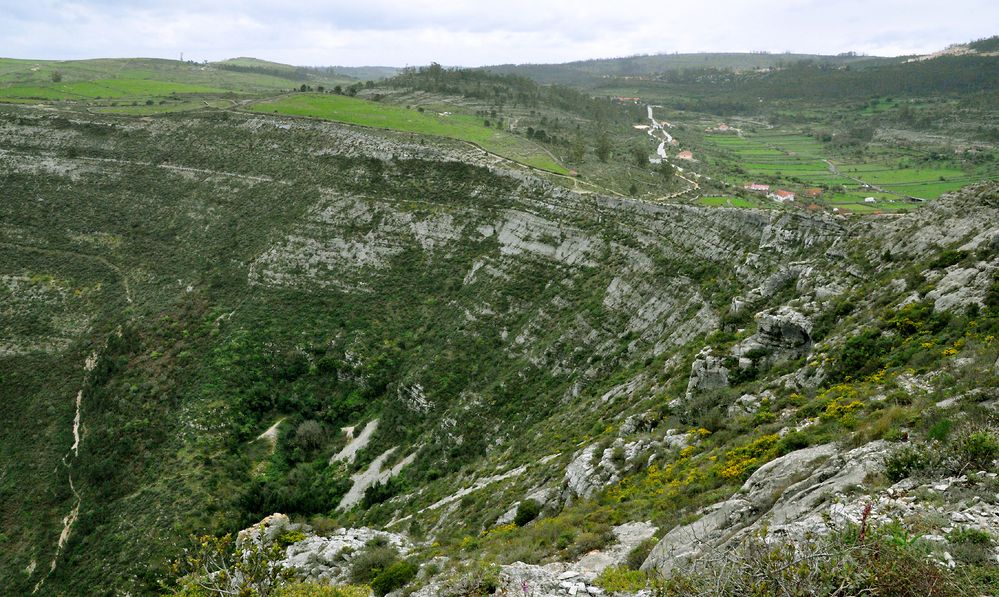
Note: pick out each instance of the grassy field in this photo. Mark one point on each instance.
(145, 78)
(792, 160)
(454, 126)
(104, 88)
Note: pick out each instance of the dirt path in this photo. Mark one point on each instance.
(72, 454)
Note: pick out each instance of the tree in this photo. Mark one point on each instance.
(639, 154)
(667, 171)
(527, 511)
(603, 149)
(56, 76)
(577, 149)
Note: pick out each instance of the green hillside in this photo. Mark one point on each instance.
(455, 126)
(589, 72)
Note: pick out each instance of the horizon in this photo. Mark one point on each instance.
(186, 59)
(463, 34)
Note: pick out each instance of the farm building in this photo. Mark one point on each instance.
(781, 195)
(685, 155)
(724, 129)
(813, 193)
(754, 186)
(870, 200)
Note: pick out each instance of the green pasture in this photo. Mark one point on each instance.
(104, 88)
(454, 126)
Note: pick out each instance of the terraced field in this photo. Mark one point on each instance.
(800, 160)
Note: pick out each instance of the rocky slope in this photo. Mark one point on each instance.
(628, 366)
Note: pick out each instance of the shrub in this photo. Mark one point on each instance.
(589, 541)
(396, 576)
(882, 561)
(907, 460)
(371, 562)
(474, 580)
(971, 546)
(310, 435)
(214, 565)
(527, 511)
(794, 440)
(861, 355)
(638, 554)
(620, 579)
(315, 589)
(288, 537)
(975, 449)
(940, 430)
(947, 258)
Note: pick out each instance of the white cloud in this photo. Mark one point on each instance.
(473, 32)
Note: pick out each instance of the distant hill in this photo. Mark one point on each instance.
(585, 71)
(42, 78)
(366, 73)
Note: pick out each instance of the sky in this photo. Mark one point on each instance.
(475, 33)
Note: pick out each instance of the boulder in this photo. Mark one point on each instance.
(707, 372)
(784, 328)
(786, 497)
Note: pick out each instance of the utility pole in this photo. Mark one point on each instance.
(181, 56)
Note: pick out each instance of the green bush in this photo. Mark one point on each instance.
(527, 511)
(976, 450)
(588, 541)
(638, 554)
(794, 440)
(884, 562)
(316, 589)
(396, 576)
(288, 537)
(621, 579)
(971, 546)
(374, 559)
(906, 461)
(947, 258)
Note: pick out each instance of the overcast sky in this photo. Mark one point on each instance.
(472, 33)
